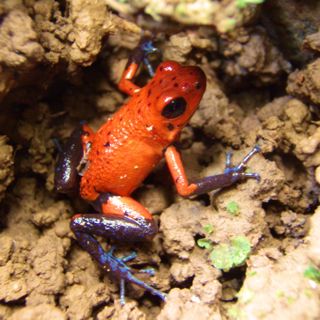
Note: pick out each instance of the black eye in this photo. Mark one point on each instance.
(175, 108)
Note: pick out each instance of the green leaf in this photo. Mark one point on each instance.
(241, 3)
(235, 312)
(244, 3)
(226, 256)
(309, 293)
(291, 300)
(204, 243)
(221, 257)
(230, 23)
(241, 249)
(312, 273)
(279, 293)
(233, 208)
(208, 228)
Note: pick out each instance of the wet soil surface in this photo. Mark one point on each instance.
(60, 62)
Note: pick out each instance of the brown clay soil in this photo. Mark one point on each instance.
(60, 61)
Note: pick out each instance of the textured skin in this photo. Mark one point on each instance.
(130, 144)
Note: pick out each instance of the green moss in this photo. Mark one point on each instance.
(312, 273)
(308, 293)
(229, 24)
(229, 255)
(244, 3)
(181, 10)
(204, 243)
(291, 300)
(208, 228)
(235, 312)
(279, 293)
(233, 208)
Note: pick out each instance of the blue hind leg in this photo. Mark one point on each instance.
(120, 228)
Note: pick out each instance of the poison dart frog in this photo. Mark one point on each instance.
(107, 166)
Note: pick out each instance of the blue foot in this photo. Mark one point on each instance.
(130, 257)
(148, 48)
(118, 268)
(239, 170)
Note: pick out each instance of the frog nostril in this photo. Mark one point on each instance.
(197, 85)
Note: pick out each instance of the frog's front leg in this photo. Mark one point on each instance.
(231, 174)
(138, 56)
(122, 219)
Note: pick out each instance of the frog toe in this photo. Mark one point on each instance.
(117, 267)
(129, 257)
(241, 167)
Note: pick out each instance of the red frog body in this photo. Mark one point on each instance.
(131, 143)
(107, 166)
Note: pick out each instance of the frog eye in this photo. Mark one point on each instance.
(175, 108)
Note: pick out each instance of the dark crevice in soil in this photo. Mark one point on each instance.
(20, 302)
(186, 284)
(63, 7)
(276, 235)
(97, 308)
(232, 282)
(273, 206)
(204, 199)
(4, 211)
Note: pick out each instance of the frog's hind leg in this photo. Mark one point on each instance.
(71, 155)
(122, 219)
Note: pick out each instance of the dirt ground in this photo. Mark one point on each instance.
(60, 61)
